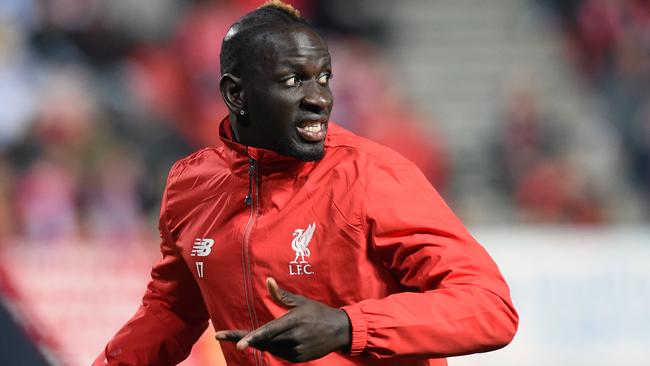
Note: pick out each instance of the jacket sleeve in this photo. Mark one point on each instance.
(455, 300)
(171, 318)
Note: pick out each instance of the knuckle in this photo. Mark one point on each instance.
(294, 335)
(254, 337)
(293, 321)
(284, 296)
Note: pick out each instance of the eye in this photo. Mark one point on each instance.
(292, 81)
(324, 78)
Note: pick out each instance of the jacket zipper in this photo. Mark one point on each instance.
(251, 172)
(248, 290)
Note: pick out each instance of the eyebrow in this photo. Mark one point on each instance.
(293, 61)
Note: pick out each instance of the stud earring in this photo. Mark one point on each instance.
(242, 112)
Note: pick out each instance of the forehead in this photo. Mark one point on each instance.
(294, 47)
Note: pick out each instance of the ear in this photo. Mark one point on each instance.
(232, 92)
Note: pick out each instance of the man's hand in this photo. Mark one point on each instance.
(309, 330)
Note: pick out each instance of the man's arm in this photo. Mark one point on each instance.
(171, 318)
(457, 301)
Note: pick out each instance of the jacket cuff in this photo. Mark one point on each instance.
(359, 329)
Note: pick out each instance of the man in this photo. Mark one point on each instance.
(302, 241)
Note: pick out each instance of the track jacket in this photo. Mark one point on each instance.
(361, 230)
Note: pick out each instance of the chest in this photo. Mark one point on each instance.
(307, 236)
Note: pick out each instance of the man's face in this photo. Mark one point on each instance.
(288, 98)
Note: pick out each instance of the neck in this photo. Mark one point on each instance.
(234, 127)
(245, 134)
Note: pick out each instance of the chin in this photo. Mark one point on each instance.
(307, 152)
(312, 156)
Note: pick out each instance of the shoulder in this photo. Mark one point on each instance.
(387, 181)
(365, 153)
(197, 164)
(191, 177)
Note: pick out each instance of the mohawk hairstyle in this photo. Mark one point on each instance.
(283, 6)
(241, 42)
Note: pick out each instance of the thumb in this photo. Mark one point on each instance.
(280, 296)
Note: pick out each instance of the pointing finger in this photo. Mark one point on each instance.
(230, 335)
(265, 332)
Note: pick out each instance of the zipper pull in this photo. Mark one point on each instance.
(251, 171)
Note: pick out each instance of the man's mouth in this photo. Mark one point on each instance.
(312, 131)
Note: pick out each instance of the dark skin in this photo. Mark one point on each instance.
(309, 330)
(284, 90)
(286, 86)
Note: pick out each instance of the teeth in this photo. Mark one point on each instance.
(312, 126)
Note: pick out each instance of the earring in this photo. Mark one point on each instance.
(242, 112)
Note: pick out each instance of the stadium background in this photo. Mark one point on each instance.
(532, 118)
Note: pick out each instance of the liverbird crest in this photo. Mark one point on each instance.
(301, 239)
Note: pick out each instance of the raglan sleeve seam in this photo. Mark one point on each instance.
(174, 174)
(358, 323)
(366, 206)
(364, 199)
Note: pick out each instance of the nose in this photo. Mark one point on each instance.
(317, 98)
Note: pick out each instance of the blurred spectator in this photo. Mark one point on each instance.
(611, 42)
(600, 28)
(112, 199)
(553, 191)
(48, 165)
(45, 201)
(526, 136)
(531, 168)
(596, 28)
(196, 47)
(369, 103)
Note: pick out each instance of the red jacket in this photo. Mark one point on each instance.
(361, 229)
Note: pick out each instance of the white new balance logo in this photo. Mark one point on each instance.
(202, 247)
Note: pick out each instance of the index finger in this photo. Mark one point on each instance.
(230, 335)
(265, 332)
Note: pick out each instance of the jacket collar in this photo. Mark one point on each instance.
(267, 161)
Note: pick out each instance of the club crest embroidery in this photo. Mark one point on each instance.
(300, 244)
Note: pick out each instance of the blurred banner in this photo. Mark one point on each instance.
(583, 295)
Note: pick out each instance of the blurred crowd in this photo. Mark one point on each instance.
(101, 97)
(609, 42)
(533, 169)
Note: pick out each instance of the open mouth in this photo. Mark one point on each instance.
(312, 131)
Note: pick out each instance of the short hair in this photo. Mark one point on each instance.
(240, 42)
